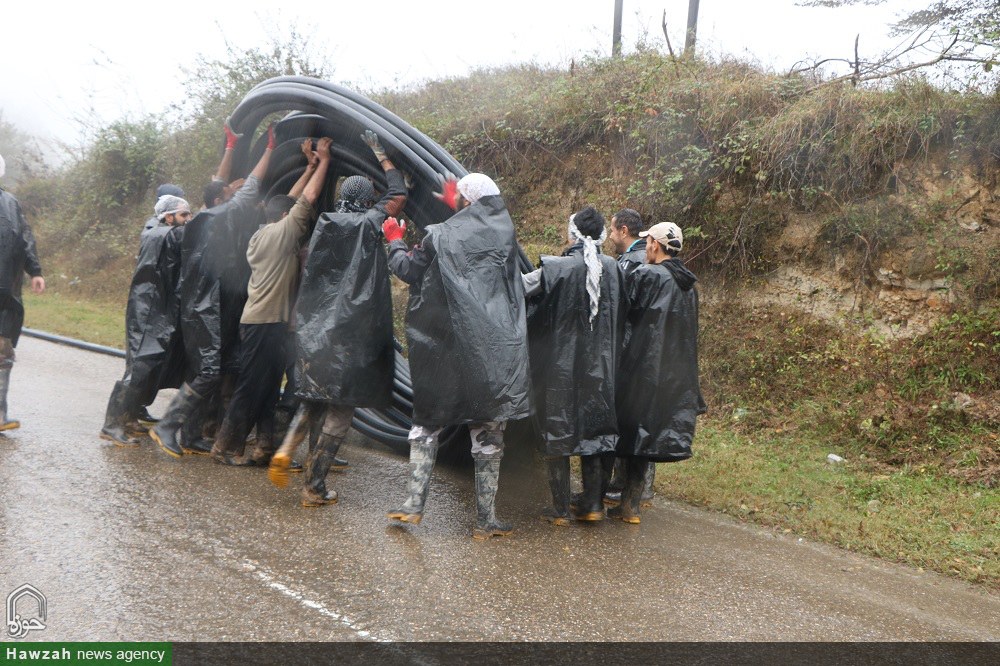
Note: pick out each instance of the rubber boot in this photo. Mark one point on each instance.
(487, 480)
(193, 441)
(277, 471)
(647, 487)
(165, 433)
(558, 513)
(5, 423)
(230, 445)
(613, 495)
(591, 508)
(635, 477)
(315, 493)
(423, 452)
(114, 418)
(144, 417)
(263, 447)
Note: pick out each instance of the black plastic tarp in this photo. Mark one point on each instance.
(152, 335)
(17, 255)
(214, 279)
(344, 314)
(466, 322)
(658, 391)
(573, 363)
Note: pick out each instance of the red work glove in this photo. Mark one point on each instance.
(272, 143)
(393, 230)
(231, 137)
(449, 191)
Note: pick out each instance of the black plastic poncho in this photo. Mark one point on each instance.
(152, 316)
(343, 315)
(214, 281)
(17, 256)
(573, 364)
(658, 391)
(465, 324)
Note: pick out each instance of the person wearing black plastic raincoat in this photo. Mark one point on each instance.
(631, 250)
(468, 351)
(576, 322)
(17, 257)
(273, 257)
(343, 328)
(151, 319)
(658, 392)
(212, 291)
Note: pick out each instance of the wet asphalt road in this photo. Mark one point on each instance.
(128, 544)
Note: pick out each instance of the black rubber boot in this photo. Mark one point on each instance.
(116, 417)
(558, 513)
(166, 432)
(613, 494)
(143, 416)
(315, 493)
(635, 478)
(591, 508)
(423, 453)
(193, 441)
(487, 481)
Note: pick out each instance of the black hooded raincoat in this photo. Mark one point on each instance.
(465, 324)
(17, 257)
(658, 391)
(573, 363)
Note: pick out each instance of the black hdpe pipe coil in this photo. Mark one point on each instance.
(312, 108)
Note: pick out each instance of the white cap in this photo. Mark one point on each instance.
(666, 233)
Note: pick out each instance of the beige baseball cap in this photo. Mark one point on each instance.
(667, 233)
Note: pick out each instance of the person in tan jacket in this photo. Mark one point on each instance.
(273, 255)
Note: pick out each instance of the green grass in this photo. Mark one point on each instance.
(103, 323)
(783, 480)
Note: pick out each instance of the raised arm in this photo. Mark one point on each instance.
(394, 199)
(226, 165)
(312, 161)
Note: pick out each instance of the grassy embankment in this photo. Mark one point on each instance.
(734, 155)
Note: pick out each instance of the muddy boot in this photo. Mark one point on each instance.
(277, 471)
(193, 441)
(613, 494)
(167, 431)
(115, 417)
(591, 508)
(262, 450)
(635, 477)
(558, 513)
(487, 480)
(423, 452)
(230, 445)
(647, 487)
(314, 493)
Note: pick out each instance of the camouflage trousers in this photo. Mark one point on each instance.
(486, 438)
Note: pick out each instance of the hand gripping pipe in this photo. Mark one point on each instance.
(311, 108)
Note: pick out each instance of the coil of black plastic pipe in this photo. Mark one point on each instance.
(311, 108)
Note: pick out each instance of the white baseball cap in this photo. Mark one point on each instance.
(667, 233)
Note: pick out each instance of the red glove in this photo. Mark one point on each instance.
(449, 191)
(272, 143)
(231, 137)
(393, 230)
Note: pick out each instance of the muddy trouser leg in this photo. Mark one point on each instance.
(608, 461)
(559, 486)
(487, 452)
(423, 453)
(591, 506)
(6, 363)
(336, 423)
(635, 479)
